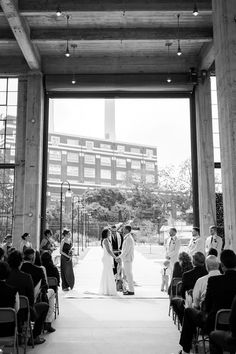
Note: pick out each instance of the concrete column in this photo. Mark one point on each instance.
(29, 149)
(205, 153)
(224, 28)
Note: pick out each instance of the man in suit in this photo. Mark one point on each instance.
(116, 242)
(213, 241)
(172, 247)
(127, 256)
(24, 284)
(221, 290)
(197, 243)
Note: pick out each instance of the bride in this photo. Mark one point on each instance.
(107, 283)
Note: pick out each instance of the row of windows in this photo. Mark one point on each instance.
(105, 160)
(73, 171)
(55, 140)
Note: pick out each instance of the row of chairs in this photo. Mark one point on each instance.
(9, 315)
(222, 317)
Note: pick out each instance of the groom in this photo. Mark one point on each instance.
(127, 256)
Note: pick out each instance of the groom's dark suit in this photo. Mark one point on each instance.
(116, 242)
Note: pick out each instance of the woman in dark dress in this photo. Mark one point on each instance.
(67, 273)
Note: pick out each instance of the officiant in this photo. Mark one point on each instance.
(116, 242)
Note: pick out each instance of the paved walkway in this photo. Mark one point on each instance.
(91, 324)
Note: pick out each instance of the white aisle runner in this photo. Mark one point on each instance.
(88, 272)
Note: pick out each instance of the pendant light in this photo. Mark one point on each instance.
(67, 52)
(179, 51)
(168, 79)
(195, 9)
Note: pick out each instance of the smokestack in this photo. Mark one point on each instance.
(110, 120)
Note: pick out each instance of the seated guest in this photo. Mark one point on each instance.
(25, 243)
(189, 279)
(221, 341)
(8, 298)
(50, 293)
(199, 290)
(221, 290)
(51, 269)
(24, 284)
(37, 275)
(183, 264)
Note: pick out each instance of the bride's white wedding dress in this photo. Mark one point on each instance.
(107, 283)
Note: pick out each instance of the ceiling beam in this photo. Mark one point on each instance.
(22, 34)
(37, 6)
(119, 83)
(60, 34)
(13, 65)
(207, 56)
(165, 34)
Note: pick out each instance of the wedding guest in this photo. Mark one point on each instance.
(25, 243)
(183, 264)
(8, 298)
(23, 282)
(51, 269)
(47, 244)
(67, 273)
(213, 241)
(221, 290)
(172, 247)
(165, 274)
(197, 243)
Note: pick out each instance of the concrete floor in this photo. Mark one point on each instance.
(89, 323)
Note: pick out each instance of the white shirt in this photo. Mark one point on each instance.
(127, 254)
(214, 242)
(172, 248)
(200, 287)
(196, 244)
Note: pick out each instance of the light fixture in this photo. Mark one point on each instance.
(168, 79)
(195, 9)
(179, 51)
(73, 81)
(58, 11)
(67, 52)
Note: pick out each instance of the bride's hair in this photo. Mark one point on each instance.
(104, 235)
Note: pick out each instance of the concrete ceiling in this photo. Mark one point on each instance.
(110, 37)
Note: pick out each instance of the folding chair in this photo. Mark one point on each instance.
(53, 283)
(27, 331)
(222, 323)
(173, 293)
(8, 316)
(222, 319)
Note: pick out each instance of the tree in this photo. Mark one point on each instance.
(176, 184)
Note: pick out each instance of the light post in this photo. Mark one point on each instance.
(78, 225)
(72, 216)
(89, 214)
(68, 194)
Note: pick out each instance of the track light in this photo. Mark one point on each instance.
(179, 51)
(195, 9)
(67, 52)
(168, 79)
(58, 12)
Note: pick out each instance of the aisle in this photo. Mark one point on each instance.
(88, 272)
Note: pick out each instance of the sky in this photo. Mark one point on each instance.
(163, 123)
